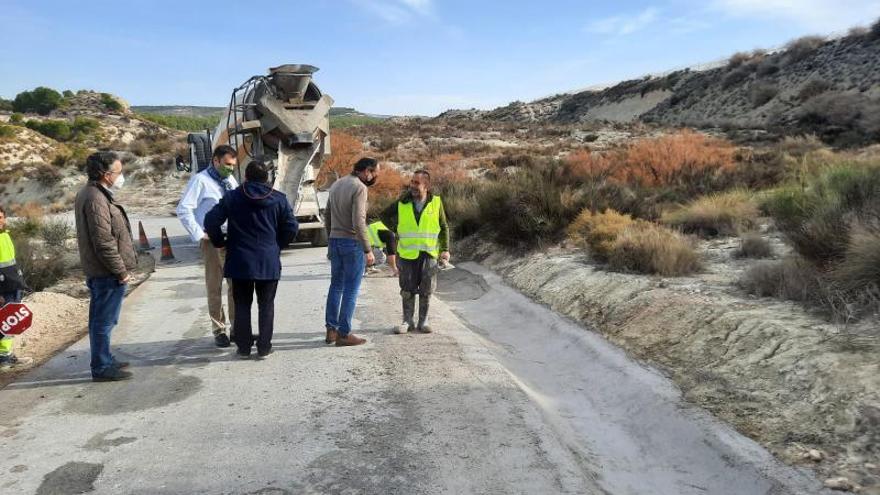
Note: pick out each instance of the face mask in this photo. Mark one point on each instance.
(225, 171)
(119, 182)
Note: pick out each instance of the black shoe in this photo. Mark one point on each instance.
(222, 340)
(121, 364)
(261, 354)
(112, 374)
(243, 353)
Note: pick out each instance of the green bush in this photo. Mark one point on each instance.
(817, 216)
(84, 125)
(16, 119)
(41, 270)
(180, 122)
(67, 93)
(875, 30)
(531, 207)
(5, 105)
(56, 232)
(110, 103)
(462, 206)
(41, 100)
(58, 130)
(7, 131)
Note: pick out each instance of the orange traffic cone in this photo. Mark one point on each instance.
(166, 247)
(144, 242)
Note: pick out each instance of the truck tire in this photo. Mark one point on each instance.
(319, 238)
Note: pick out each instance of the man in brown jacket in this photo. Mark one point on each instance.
(106, 251)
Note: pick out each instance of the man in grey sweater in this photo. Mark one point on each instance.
(349, 249)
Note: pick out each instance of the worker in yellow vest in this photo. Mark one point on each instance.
(11, 285)
(384, 244)
(422, 242)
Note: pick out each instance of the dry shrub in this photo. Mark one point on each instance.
(446, 173)
(813, 87)
(644, 247)
(389, 185)
(752, 245)
(345, 151)
(860, 267)
(31, 211)
(462, 206)
(56, 232)
(738, 59)
(40, 269)
(801, 48)
(761, 93)
(717, 214)
(598, 232)
(792, 278)
(686, 160)
(509, 159)
(47, 175)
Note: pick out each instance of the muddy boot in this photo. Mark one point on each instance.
(409, 309)
(424, 304)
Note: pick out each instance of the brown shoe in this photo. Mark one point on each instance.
(349, 340)
(332, 335)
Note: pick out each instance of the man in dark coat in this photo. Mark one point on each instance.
(260, 224)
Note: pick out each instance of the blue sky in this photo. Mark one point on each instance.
(388, 56)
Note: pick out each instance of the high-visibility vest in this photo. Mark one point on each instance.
(7, 250)
(374, 229)
(421, 236)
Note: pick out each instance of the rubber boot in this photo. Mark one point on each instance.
(409, 309)
(424, 305)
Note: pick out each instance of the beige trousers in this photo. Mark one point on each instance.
(214, 259)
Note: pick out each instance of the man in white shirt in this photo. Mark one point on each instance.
(204, 191)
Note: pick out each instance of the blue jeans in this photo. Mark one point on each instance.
(104, 308)
(347, 264)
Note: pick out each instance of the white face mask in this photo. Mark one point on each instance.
(119, 182)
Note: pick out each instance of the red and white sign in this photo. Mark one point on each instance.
(15, 318)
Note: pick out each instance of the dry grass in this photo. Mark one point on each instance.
(644, 247)
(860, 266)
(752, 245)
(717, 214)
(598, 232)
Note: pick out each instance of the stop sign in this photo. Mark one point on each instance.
(15, 318)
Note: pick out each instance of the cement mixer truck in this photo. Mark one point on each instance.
(282, 118)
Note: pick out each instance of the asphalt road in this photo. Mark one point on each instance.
(506, 397)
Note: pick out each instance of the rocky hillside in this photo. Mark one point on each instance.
(826, 87)
(42, 154)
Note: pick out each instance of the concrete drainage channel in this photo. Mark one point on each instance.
(627, 420)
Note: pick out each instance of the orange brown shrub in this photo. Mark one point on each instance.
(345, 150)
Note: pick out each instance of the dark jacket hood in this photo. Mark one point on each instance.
(260, 195)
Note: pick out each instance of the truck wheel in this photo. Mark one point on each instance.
(319, 238)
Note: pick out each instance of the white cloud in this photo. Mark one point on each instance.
(820, 15)
(622, 25)
(398, 11)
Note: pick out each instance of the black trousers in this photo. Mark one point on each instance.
(243, 294)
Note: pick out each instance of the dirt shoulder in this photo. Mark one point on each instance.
(61, 317)
(779, 375)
